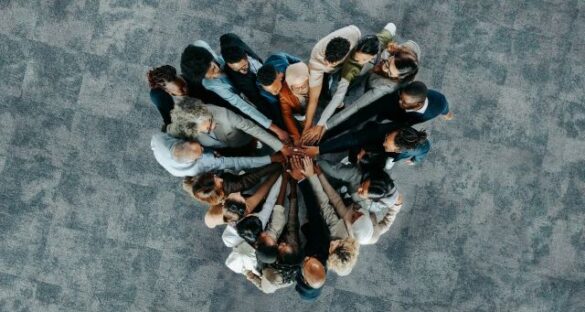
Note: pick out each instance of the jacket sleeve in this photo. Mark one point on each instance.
(339, 171)
(334, 197)
(363, 101)
(344, 142)
(384, 225)
(291, 59)
(288, 118)
(252, 178)
(252, 129)
(292, 222)
(209, 163)
(237, 101)
(336, 100)
(327, 211)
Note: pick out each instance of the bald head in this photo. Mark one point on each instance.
(187, 151)
(313, 272)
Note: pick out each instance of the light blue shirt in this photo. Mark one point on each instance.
(223, 87)
(162, 146)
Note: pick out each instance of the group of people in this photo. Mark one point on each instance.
(242, 132)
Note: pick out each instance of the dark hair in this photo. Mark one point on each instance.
(159, 75)
(407, 64)
(336, 49)
(409, 138)
(381, 184)
(235, 207)
(249, 228)
(416, 89)
(368, 45)
(372, 161)
(233, 54)
(290, 258)
(266, 74)
(266, 254)
(204, 183)
(195, 62)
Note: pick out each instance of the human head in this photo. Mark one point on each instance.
(198, 63)
(343, 254)
(214, 216)
(336, 50)
(235, 57)
(406, 138)
(165, 77)
(208, 188)
(310, 278)
(287, 253)
(186, 151)
(270, 79)
(266, 248)
(249, 228)
(413, 95)
(297, 78)
(366, 49)
(190, 117)
(234, 207)
(402, 65)
(375, 184)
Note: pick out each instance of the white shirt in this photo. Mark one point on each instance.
(422, 110)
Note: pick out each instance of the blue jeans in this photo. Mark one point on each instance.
(164, 103)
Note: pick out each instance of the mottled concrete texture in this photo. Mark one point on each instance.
(494, 218)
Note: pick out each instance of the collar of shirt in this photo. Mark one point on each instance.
(254, 64)
(422, 110)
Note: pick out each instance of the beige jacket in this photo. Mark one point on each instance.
(317, 65)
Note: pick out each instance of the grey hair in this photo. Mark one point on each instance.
(186, 117)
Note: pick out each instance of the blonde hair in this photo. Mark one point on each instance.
(344, 257)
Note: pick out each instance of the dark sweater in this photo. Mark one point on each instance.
(316, 230)
(387, 108)
(371, 139)
(233, 183)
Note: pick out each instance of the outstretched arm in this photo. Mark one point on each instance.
(260, 194)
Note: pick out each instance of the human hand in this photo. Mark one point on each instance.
(392, 47)
(295, 168)
(310, 151)
(278, 158)
(281, 134)
(286, 151)
(449, 116)
(308, 168)
(312, 135)
(317, 169)
(361, 154)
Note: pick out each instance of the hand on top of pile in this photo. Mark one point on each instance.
(312, 135)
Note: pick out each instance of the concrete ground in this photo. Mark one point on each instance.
(493, 221)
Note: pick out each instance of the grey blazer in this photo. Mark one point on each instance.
(234, 130)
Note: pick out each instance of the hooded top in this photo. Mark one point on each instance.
(162, 146)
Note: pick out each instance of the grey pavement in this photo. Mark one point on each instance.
(494, 218)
